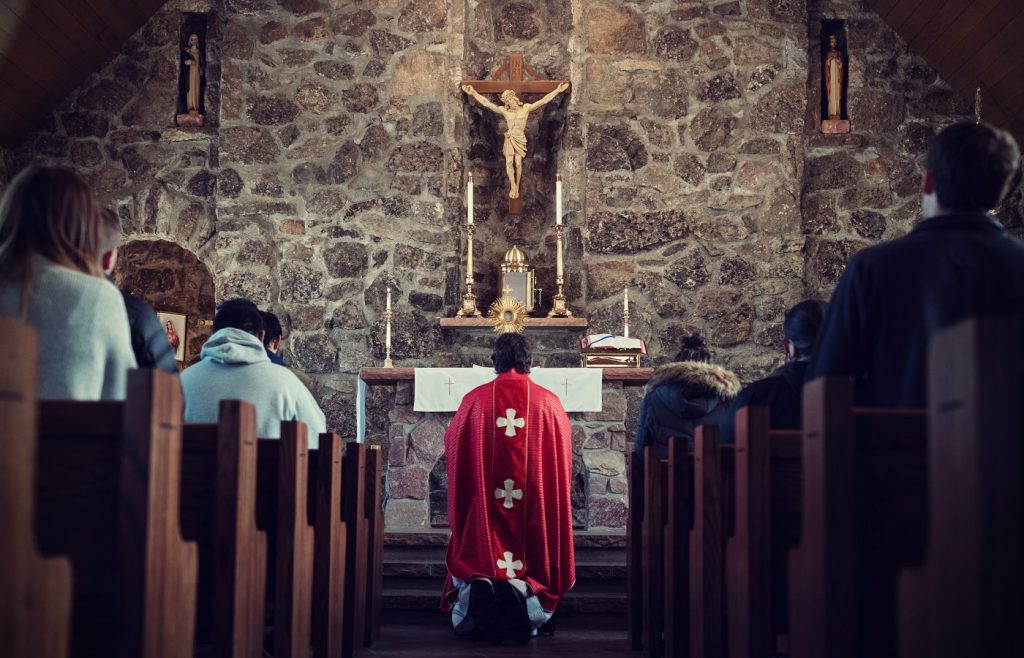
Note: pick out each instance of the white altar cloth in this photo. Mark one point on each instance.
(442, 389)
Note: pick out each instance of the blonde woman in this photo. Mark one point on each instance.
(51, 277)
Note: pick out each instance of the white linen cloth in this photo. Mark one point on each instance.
(442, 389)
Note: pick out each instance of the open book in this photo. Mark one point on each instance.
(610, 342)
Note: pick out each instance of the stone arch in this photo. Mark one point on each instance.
(171, 278)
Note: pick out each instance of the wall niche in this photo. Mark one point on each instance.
(834, 77)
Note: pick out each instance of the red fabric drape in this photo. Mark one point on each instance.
(510, 429)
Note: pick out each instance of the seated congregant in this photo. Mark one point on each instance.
(782, 392)
(958, 262)
(149, 340)
(509, 461)
(683, 395)
(51, 278)
(234, 366)
(272, 337)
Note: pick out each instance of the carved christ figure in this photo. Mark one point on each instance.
(834, 77)
(516, 113)
(194, 62)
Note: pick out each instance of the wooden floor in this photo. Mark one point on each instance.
(432, 636)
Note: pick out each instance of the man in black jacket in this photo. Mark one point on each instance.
(782, 392)
(149, 340)
(958, 262)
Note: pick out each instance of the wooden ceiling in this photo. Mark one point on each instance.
(49, 47)
(969, 42)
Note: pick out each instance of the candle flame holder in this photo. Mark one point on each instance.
(469, 309)
(559, 309)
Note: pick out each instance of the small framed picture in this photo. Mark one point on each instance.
(174, 325)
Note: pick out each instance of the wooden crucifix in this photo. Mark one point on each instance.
(508, 81)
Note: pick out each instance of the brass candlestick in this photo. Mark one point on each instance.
(469, 309)
(558, 306)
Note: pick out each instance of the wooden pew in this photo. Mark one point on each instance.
(968, 600)
(218, 510)
(864, 505)
(356, 542)
(634, 550)
(107, 474)
(766, 527)
(35, 591)
(328, 548)
(283, 513)
(652, 551)
(375, 544)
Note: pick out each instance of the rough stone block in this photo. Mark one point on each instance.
(408, 482)
(405, 514)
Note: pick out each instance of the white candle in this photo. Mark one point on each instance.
(625, 300)
(558, 198)
(469, 199)
(387, 323)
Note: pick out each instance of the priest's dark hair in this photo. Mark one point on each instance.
(511, 351)
(693, 348)
(802, 324)
(239, 314)
(272, 327)
(973, 165)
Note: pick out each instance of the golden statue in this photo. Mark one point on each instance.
(834, 78)
(516, 113)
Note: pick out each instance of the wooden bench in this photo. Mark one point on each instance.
(969, 598)
(91, 482)
(863, 522)
(766, 526)
(35, 591)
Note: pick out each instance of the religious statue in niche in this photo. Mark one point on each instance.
(193, 70)
(833, 70)
(516, 113)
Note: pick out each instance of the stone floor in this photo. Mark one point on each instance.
(431, 635)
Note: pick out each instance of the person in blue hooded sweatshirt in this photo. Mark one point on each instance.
(234, 366)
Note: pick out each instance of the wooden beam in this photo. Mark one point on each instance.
(47, 32)
(520, 87)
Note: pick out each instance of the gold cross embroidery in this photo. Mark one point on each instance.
(449, 383)
(566, 382)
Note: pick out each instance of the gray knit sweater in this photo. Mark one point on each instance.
(85, 350)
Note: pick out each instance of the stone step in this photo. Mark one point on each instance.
(574, 603)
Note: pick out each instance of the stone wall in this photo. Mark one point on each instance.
(337, 144)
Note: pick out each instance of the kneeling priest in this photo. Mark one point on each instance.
(509, 459)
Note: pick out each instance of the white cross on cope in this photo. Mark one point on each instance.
(510, 422)
(509, 566)
(508, 493)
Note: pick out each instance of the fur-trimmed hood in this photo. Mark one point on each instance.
(715, 379)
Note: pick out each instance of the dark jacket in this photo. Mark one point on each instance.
(893, 297)
(275, 358)
(681, 397)
(149, 340)
(781, 392)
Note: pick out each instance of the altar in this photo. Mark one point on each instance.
(416, 478)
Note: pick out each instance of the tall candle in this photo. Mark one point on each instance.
(558, 198)
(387, 324)
(469, 199)
(558, 258)
(625, 300)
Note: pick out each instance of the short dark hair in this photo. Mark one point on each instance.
(511, 351)
(110, 231)
(272, 327)
(693, 348)
(973, 164)
(802, 324)
(239, 314)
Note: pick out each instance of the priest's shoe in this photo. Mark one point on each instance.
(513, 618)
(482, 608)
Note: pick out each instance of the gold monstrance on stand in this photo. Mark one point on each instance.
(517, 278)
